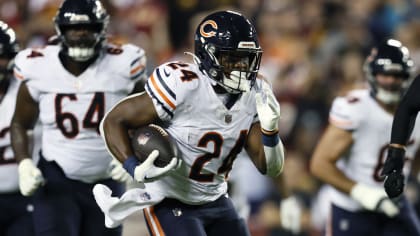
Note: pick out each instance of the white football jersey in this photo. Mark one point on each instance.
(371, 130)
(208, 134)
(8, 165)
(71, 107)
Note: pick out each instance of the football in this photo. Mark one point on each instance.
(153, 137)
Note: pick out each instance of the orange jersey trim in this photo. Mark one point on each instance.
(156, 87)
(136, 69)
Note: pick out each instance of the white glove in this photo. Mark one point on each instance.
(268, 109)
(117, 172)
(374, 199)
(30, 177)
(116, 210)
(290, 214)
(147, 172)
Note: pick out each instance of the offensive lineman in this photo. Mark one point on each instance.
(69, 87)
(15, 209)
(213, 108)
(351, 153)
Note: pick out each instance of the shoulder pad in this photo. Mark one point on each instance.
(129, 58)
(170, 83)
(24, 61)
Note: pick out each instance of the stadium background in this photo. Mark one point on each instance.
(313, 51)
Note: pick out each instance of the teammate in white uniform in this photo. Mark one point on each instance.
(351, 153)
(70, 87)
(15, 209)
(213, 109)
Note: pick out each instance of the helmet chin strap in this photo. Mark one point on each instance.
(388, 97)
(81, 54)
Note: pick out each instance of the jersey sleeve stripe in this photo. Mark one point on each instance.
(133, 77)
(156, 87)
(153, 95)
(165, 86)
(136, 69)
(135, 61)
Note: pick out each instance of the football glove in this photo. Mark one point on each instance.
(268, 109)
(290, 214)
(394, 178)
(117, 172)
(374, 199)
(30, 177)
(147, 171)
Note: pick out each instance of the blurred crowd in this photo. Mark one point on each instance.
(313, 51)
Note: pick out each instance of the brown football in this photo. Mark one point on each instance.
(153, 137)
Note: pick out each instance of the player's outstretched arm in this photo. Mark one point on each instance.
(402, 126)
(24, 119)
(333, 144)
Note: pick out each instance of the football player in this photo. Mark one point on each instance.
(16, 210)
(350, 154)
(69, 87)
(213, 108)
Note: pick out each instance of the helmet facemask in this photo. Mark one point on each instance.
(391, 93)
(234, 70)
(82, 42)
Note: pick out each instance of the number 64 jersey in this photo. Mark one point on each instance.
(208, 134)
(71, 107)
(371, 129)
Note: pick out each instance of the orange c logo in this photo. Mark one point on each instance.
(209, 34)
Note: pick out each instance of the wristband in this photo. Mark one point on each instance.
(130, 164)
(396, 145)
(270, 140)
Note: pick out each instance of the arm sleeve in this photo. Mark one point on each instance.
(162, 87)
(22, 70)
(137, 63)
(406, 114)
(343, 113)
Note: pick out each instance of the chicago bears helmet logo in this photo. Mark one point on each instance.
(211, 33)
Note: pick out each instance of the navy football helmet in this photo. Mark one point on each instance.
(389, 58)
(9, 47)
(89, 15)
(228, 50)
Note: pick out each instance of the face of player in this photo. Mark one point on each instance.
(83, 36)
(233, 62)
(81, 40)
(389, 88)
(236, 70)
